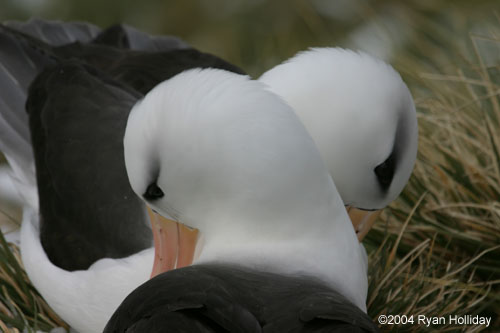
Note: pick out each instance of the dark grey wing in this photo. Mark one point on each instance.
(143, 70)
(332, 312)
(285, 303)
(138, 69)
(190, 299)
(21, 59)
(139, 40)
(172, 322)
(127, 37)
(19, 65)
(56, 33)
(88, 209)
(229, 298)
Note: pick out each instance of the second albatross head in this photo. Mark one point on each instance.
(361, 115)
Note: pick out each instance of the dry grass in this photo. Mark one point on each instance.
(440, 252)
(20, 304)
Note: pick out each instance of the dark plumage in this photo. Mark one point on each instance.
(222, 298)
(78, 109)
(88, 210)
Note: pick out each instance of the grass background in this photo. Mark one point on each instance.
(435, 250)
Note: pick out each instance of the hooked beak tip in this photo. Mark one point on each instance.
(362, 220)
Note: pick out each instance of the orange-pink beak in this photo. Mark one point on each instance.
(362, 220)
(174, 243)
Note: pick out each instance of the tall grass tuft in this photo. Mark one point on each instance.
(440, 252)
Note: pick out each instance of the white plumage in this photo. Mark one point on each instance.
(236, 163)
(358, 110)
(86, 299)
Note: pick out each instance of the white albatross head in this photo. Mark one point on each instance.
(361, 115)
(219, 152)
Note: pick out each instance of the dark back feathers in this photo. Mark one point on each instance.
(223, 298)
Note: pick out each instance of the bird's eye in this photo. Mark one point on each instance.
(385, 172)
(153, 192)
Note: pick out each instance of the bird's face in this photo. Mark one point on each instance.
(220, 153)
(143, 144)
(362, 118)
(374, 166)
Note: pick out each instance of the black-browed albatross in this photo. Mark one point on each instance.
(279, 252)
(362, 117)
(87, 243)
